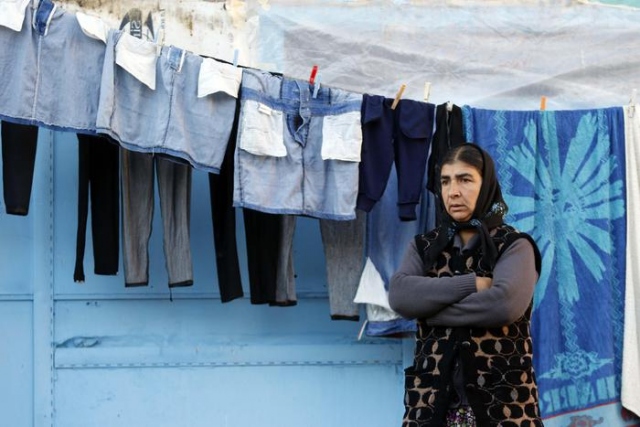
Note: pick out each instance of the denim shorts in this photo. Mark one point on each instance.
(50, 69)
(297, 153)
(175, 103)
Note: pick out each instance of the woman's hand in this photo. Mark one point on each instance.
(483, 283)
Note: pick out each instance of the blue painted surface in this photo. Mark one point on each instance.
(16, 363)
(96, 353)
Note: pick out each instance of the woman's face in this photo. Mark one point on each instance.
(460, 184)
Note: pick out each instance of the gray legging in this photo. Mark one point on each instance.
(174, 188)
(343, 243)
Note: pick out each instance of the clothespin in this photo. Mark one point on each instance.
(312, 77)
(160, 39)
(361, 333)
(236, 53)
(427, 90)
(316, 85)
(543, 103)
(398, 96)
(449, 106)
(632, 102)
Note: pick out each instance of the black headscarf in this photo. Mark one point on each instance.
(489, 213)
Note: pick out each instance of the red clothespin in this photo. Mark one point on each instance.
(543, 103)
(314, 71)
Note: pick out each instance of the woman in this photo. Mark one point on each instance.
(469, 283)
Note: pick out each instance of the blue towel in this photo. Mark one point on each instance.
(563, 176)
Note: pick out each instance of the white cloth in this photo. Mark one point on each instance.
(138, 57)
(342, 137)
(217, 76)
(262, 130)
(93, 27)
(630, 394)
(371, 291)
(12, 13)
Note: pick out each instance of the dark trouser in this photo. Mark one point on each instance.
(174, 189)
(99, 177)
(18, 161)
(223, 216)
(263, 238)
(402, 136)
(343, 243)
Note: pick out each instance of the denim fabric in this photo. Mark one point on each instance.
(282, 164)
(174, 189)
(171, 119)
(50, 71)
(401, 136)
(387, 238)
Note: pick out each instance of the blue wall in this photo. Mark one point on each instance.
(95, 353)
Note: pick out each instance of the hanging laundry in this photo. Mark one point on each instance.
(98, 181)
(174, 189)
(263, 233)
(12, 14)
(223, 219)
(630, 388)
(19, 143)
(563, 175)
(449, 134)
(401, 135)
(51, 69)
(343, 243)
(177, 104)
(297, 154)
(387, 237)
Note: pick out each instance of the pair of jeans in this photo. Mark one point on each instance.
(401, 136)
(98, 180)
(19, 144)
(174, 189)
(298, 148)
(177, 104)
(51, 71)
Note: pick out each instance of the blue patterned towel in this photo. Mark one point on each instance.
(563, 176)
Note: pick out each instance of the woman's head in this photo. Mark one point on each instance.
(468, 184)
(460, 183)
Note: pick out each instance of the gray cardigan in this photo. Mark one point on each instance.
(454, 301)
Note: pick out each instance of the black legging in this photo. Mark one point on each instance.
(98, 175)
(223, 216)
(18, 160)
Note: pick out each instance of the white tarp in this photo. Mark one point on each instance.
(492, 54)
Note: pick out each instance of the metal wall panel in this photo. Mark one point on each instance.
(16, 363)
(97, 353)
(229, 397)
